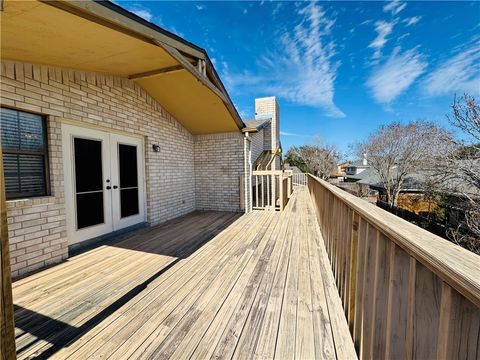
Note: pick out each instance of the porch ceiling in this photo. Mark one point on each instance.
(88, 36)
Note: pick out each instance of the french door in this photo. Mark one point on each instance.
(104, 182)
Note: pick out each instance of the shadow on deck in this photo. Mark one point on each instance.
(203, 285)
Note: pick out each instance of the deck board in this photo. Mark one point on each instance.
(207, 285)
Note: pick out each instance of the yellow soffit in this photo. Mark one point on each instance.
(204, 112)
(35, 32)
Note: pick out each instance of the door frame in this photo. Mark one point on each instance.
(69, 131)
(118, 222)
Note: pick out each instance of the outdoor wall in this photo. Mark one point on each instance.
(257, 144)
(37, 226)
(267, 138)
(219, 163)
(268, 106)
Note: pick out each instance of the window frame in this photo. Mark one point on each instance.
(44, 154)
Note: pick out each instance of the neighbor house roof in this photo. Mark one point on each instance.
(415, 182)
(358, 163)
(99, 36)
(294, 169)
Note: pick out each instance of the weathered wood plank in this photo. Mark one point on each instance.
(428, 289)
(7, 330)
(397, 304)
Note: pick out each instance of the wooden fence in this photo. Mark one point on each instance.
(406, 293)
(271, 189)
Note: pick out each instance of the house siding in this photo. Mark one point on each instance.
(257, 145)
(219, 163)
(37, 226)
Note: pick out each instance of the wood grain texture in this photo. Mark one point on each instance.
(7, 330)
(452, 263)
(412, 295)
(427, 313)
(207, 285)
(397, 304)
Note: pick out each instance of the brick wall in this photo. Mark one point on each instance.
(269, 106)
(37, 227)
(218, 166)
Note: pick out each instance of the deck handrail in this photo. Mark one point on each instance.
(271, 189)
(419, 292)
(299, 179)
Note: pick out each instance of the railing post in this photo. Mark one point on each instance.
(353, 270)
(406, 293)
(7, 327)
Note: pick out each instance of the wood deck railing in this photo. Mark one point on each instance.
(299, 179)
(271, 189)
(406, 292)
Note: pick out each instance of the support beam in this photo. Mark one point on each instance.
(7, 326)
(205, 81)
(147, 74)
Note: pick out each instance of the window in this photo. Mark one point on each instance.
(25, 159)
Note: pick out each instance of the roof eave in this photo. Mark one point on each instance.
(120, 19)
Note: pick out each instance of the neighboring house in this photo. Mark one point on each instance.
(415, 186)
(110, 122)
(341, 170)
(356, 167)
(265, 135)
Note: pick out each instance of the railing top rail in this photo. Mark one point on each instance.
(268, 172)
(455, 265)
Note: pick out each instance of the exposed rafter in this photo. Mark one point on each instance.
(169, 69)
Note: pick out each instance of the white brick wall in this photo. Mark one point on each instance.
(218, 166)
(269, 106)
(178, 182)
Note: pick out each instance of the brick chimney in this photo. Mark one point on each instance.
(267, 107)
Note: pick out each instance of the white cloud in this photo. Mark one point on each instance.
(394, 7)
(412, 20)
(393, 77)
(302, 70)
(245, 11)
(144, 14)
(284, 133)
(383, 29)
(461, 73)
(308, 58)
(200, 7)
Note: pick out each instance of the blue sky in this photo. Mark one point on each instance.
(338, 69)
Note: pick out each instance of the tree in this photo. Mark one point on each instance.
(318, 159)
(459, 172)
(293, 159)
(397, 150)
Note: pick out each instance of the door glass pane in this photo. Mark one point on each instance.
(89, 209)
(127, 159)
(88, 165)
(128, 165)
(129, 202)
(88, 182)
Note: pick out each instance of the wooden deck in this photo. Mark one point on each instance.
(207, 285)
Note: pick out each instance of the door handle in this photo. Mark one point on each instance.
(115, 186)
(108, 187)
